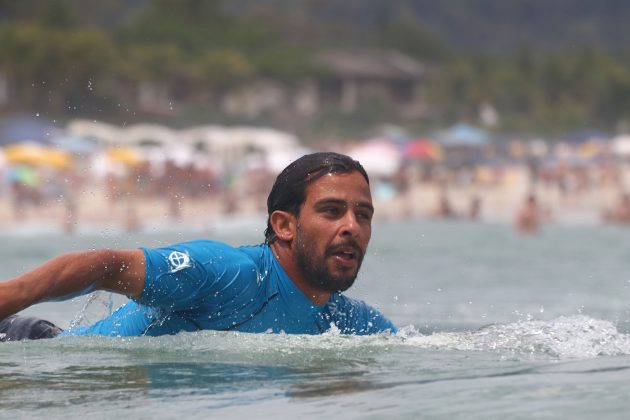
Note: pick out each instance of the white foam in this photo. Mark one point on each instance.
(565, 337)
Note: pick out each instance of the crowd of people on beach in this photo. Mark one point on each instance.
(539, 190)
(28, 191)
(541, 195)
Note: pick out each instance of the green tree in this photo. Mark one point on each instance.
(52, 67)
(223, 68)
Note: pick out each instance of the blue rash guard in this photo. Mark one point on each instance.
(207, 285)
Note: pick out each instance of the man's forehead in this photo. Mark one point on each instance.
(326, 201)
(337, 185)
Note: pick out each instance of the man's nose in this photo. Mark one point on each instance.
(350, 225)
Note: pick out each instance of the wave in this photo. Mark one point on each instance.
(566, 337)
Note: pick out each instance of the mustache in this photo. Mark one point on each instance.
(352, 243)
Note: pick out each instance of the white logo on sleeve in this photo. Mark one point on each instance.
(178, 261)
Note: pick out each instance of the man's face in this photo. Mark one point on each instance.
(333, 230)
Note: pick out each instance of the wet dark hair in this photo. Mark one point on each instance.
(289, 191)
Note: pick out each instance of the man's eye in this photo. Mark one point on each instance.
(331, 210)
(364, 216)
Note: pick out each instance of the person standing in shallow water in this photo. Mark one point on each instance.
(620, 212)
(528, 216)
(318, 229)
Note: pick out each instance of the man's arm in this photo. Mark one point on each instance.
(75, 273)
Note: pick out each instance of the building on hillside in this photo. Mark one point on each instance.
(390, 77)
(343, 81)
(337, 80)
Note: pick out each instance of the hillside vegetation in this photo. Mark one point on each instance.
(546, 67)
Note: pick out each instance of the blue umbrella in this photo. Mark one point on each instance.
(26, 128)
(584, 136)
(77, 144)
(463, 135)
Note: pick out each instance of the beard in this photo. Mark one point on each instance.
(316, 271)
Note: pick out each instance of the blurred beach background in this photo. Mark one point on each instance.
(146, 114)
(129, 123)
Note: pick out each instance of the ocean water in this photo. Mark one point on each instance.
(494, 325)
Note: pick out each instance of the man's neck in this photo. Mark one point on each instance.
(286, 258)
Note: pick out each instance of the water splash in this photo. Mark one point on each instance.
(563, 338)
(95, 306)
(566, 337)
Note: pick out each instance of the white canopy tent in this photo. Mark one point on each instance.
(105, 135)
(621, 145)
(222, 146)
(379, 158)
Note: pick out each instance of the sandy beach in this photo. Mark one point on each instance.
(498, 204)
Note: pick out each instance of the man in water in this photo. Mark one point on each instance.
(318, 228)
(528, 216)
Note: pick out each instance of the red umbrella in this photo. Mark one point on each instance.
(422, 149)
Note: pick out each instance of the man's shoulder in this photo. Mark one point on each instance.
(220, 256)
(341, 301)
(202, 244)
(204, 257)
(354, 316)
(181, 275)
(211, 247)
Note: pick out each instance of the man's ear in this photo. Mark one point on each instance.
(283, 224)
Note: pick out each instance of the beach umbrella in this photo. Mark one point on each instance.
(37, 155)
(591, 149)
(463, 135)
(279, 159)
(586, 136)
(422, 149)
(24, 128)
(621, 145)
(77, 145)
(378, 157)
(24, 175)
(124, 155)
